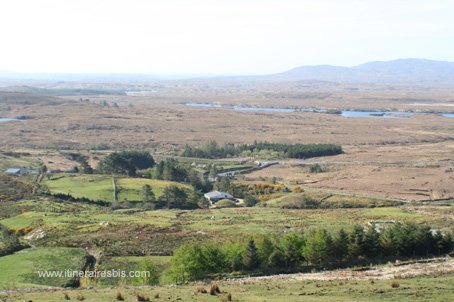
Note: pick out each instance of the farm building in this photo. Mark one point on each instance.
(216, 196)
(17, 171)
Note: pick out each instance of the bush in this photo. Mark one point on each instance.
(153, 273)
(201, 290)
(214, 290)
(395, 284)
(195, 261)
(142, 298)
(225, 203)
(120, 296)
(316, 169)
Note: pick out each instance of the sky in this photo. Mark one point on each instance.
(218, 36)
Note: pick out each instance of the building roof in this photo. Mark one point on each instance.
(13, 171)
(218, 195)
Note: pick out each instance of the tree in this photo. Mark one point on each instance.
(115, 163)
(250, 200)
(276, 260)
(196, 199)
(356, 241)
(126, 162)
(176, 197)
(371, 244)
(251, 258)
(292, 246)
(318, 248)
(234, 252)
(87, 169)
(265, 248)
(188, 263)
(213, 172)
(222, 184)
(195, 261)
(150, 273)
(340, 246)
(148, 194)
(43, 169)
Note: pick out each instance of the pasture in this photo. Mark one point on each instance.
(100, 187)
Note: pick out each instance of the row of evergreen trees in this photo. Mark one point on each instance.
(212, 150)
(294, 252)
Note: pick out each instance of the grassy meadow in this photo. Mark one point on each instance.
(434, 288)
(100, 187)
(19, 270)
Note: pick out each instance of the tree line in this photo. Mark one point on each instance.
(126, 163)
(298, 252)
(173, 197)
(213, 150)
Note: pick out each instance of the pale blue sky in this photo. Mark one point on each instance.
(218, 36)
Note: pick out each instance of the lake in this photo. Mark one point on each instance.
(6, 120)
(344, 113)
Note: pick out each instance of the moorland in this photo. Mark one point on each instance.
(117, 172)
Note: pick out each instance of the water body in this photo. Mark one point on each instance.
(6, 120)
(272, 109)
(344, 113)
(383, 114)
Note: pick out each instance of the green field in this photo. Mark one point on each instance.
(420, 289)
(125, 237)
(100, 187)
(136, 232)
(328, 200)
(19, 270)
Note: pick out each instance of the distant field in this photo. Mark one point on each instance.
(9, 161)
(327, 200)
(133, 232)
(20, 269)
(100, 187)
(130, 188)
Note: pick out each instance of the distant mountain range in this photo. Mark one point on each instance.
(410, 71)
(397, 71)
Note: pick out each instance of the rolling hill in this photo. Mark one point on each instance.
(398, 71)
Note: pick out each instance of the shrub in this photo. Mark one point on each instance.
(142, 298)
(24, 230)
(66, 296)
(214, 290)
(297, 189)
(151, 269)
(120, 296)
(395, 284)
(315, 169)
(80, 297)
(201, 290)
